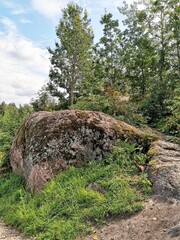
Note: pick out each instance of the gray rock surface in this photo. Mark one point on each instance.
(164, 168)
(50, 142)
(175, 231)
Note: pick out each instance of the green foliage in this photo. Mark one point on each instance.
(153, 106)
(111, 103)
(44, 101)
(11, 119)
(108, 52)
(69, 204)
(172, 123)
(71, 60)
(138, 50)
(130, 113)
(94, 103)
(143, 62)
(151, 54)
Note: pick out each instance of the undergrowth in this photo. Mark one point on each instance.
(70, 205)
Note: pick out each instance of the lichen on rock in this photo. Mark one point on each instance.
(50, 142)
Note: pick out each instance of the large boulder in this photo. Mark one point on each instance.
(50, 142)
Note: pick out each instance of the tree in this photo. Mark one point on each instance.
(174, 27)
(163, 29)
(109, 51)
(151, 53)
(138, 51)
(44, 101)
(71, 59)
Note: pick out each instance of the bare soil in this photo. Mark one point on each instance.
(157, 221)
(8, 233)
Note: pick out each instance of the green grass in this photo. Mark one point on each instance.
(68, 206)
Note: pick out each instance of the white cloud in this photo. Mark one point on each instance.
(111, 5)
(15, 8)
(50, 9)
(24, 66)
(8, 25)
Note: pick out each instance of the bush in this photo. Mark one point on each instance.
(113, 103)
(11, 119)
(172, 123)
(94, 103)
(154, 107)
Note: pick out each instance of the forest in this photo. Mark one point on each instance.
(132, 74)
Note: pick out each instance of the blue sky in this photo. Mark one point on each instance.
(27, 28)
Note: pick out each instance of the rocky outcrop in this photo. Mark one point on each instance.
(50, 142)
(164, 168)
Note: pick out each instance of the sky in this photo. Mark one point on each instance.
(27, 28)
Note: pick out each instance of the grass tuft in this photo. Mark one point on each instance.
(77, 198)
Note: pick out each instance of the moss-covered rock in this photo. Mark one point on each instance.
(50, 142)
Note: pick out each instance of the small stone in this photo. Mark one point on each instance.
(175, 231)
(96, 187)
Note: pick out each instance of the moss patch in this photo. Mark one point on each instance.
(153, 162)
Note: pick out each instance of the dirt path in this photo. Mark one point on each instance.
(7, 233)
(159, 220)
